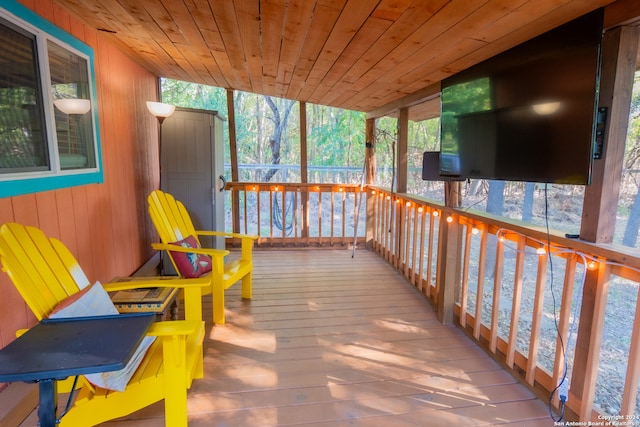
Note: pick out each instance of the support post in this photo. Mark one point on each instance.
(304, 195)
(619, 54)
(233, 151)
(370, 178)
(448, 267)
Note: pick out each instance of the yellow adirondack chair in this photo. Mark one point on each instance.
(45, 273)
(173, 223)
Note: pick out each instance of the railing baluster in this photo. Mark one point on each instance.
(258, 197)
(465, 277)
(423, 223)
(482, 259)
(320, 216)
(432, 221)
(495, 306)
(414, 246)
(632, 376)
(563, 322)
(516, 302)
(283, 207)
(534, 336)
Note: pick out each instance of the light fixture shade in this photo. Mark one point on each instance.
(73, 105)
(546, 108)
(160, 109)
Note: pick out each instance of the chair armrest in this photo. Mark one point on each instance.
(221, 253)
(174, 327)
(136, 282)
(226, 234)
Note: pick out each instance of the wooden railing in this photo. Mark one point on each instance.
(545, 305)
(286, 214)
(541, 303)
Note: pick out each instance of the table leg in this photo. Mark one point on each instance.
(47, 406)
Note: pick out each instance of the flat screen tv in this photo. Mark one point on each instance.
(529, 113)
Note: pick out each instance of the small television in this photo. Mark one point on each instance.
(431, 168)
(529, 113)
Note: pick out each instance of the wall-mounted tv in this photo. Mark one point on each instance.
(527, 114)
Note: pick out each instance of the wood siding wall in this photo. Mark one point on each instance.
(106, 226)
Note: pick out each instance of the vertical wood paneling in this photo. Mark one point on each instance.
(47, 217)
(10, 300)
(104, 225)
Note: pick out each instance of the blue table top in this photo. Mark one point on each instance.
(59, 348)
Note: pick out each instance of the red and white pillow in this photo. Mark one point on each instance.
(190, 264)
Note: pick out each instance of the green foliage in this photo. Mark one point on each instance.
(335, 136)
(191, 95)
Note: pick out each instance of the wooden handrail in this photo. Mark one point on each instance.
(492, 316)
(277, 213)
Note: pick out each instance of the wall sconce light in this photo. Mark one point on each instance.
(546, 108)
(435, 213)
(73, 105)
(474, 230)
(160, 110)
(449, 219)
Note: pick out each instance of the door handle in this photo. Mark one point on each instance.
(224, 183)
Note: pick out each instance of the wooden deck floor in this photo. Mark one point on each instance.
(331, 340)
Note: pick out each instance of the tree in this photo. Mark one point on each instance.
(527, 204)
(279, 125)
(495, 198)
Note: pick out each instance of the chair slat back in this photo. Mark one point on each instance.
(170, 217)
(42, 269)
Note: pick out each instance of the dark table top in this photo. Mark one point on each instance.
(59, 348)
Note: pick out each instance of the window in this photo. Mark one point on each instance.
(48, 119)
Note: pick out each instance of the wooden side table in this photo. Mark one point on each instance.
(161, 301)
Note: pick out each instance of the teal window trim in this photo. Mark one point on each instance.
(65, 179)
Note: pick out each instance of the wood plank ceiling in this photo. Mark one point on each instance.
(364, 55)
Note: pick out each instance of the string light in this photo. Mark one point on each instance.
(449, 219)
(435, 213)
(592, 265)
(541, 250)
(474, 230)
(408, 204)
(420, 209)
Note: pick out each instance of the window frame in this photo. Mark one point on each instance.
(18, 183)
